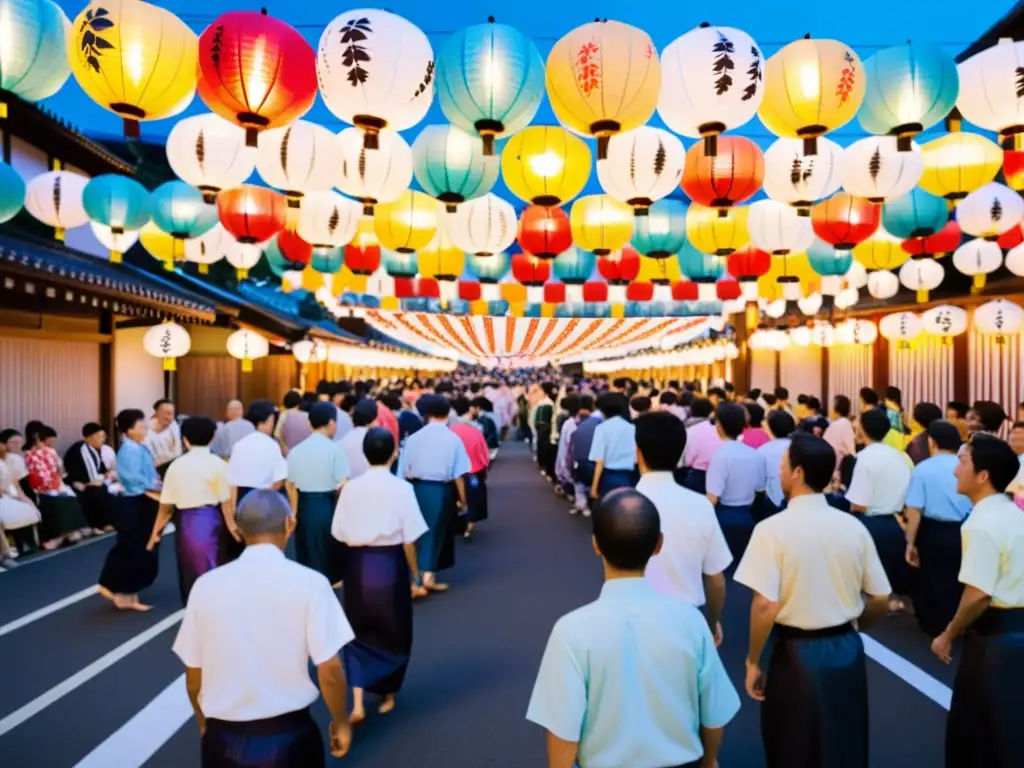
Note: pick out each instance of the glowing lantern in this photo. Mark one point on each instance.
(160, 245)
(33, 52)
(877, 169)
(778, 228)
(298, 159)
(376, 71)
(990, 211)
(285, 251)
(977, 258)
(328, 220)
(915, 214)
(484, 226)
(747, 265)
(116, 243)
(378, 176)
(844, 220)
(209, 153)
(12, 192)
(545, 165)
(856, 331)
(795, 177)
(544, 231)
(532, 272)
(942, 242)
(901, 327)
(443, 261)
(1013, 169)
(831, 263)
(856, 276)
(662, 232)
(400, 265)
(883, 284)
(451, 165)
(117, 202)
(408, 223)
(786, 278)
(710, 232)
(574, 267)
(846, 298)
(999, 318)
(809, 305)
(246, 345)
(619, 269)
(800, 336)
(167, 341)
(990, 91)
(922, 275)
(712, 81)
(489, 270)
(179, 210)
(701, 268)
(491, 81)
(327, 260)
(252, 215)
(362, 255)
(210, 248)
(600, 224)
(55, 199)
(811, 87)
(944, 321)
(602, 78)
(731, 176)
(135, 59)
(1015, 260)
(910, 88)
(881, 251)
(642, 165)
(959, 163)
(309, 351)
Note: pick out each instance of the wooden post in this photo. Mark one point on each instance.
(106, 413)
(742, 365)
(826, 400)
(961, 369)
(880, 362)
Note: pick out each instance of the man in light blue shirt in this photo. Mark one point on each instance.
(632, 680)
(780, 427)
(735, 475)
(613, 449)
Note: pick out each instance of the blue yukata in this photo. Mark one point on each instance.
(735, 474)
(615, 444)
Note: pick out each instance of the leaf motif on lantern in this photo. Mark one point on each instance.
(354, 32)
(875, 164)
(92, 44)
(754, 74)
(723, 64)
(847, 78)
(1020, 82)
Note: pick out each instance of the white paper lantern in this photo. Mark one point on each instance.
(901, 328)
(810, 305)
(380, 283)
(778, 340)
(795, 178)
(209, 248)
(374, 176)
(246, 345)
(483, 227)
(55, 199)
(1000, 318)
(291, 280)
(823, 334)
(309, 351)
(990, 211)
(243, 256)
(846, 298)
(700, 95)
(775, 309)
(876, 169)
(778, 228)
(990, 89)
(977, 258)
(945, 321)
(299, 159)
(376, 71)
(883, 284)
(922, 275)
(856, 331)
(167, 341)
(856, 276)
(759, 339)
(328, 220)
(641, 166)
(800, 336)
(210, 153)
(115, 242)
(1015, 260)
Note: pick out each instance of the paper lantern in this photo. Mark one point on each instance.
(490, 81)
(800, 336)
(374, 176)
(545, 165)
(441, 258)
(180, 210)
(327, 260)
(117, 202)
(642, 165)
(243, 256)
(1013, 169)
(213, 246)
(787, 279)
(831, 263)
(809, 305)
(990, 211)
(376, 71)
(135, 59)
(532, 272)
(922, 275)
(116, 243)
(710, 232)
(161, 246)
(362, 255)
(298, 159)
(451, 165)
(901, 328)
(795, 177)
(856, 276)
(942, 242)
(811, 87)
(856, 331)
(602, 78)
(712, 81)
(246, 345)
(915, 214)
(619, 268)
(733, 175)
(12, 191)
(256, 71)
(210, 153)
(883, 284)
(875, 168)
(488, 269)
(910, 88)
(748, 264)
(944, 321)
(328, 220)
(309, 351)
(574, 266)
(399, 265)
(484, 226)
(1011, 238)
(959, 163)
(662, 232)
(407, 224)
(977, 258)
(285, 251)
(167, 341)
(55, 199)
(990, 91)
(33, 53)
(701, 268)
(844, 220)
(778, 228)
(1000, 318)
(846, 298)
(252, 214)
(544, 231)
(600, 224)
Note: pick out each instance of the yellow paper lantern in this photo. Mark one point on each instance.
(658, 270)
(789, 278)
(881, 251)
(959, 163)
(811, 87)
(135, 59)
(441, 259)
(161, 246)
(545, 165)
(711, 232)
(600, 224)
(407, 224)
(602, 78)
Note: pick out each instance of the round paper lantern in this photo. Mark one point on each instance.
(733, 175)
(328, 220)
(399, 265)
(942, 242)
(883, 284)
(809, 305)
(831, 263)
(712, 81)
(490, 81)
(778, 228)
(881, 251)
(285, 251)
(701, 268)
(309, 351)
(1013, 169)
(1015, 260)
(875, 168)
(544, 231)
(362, 255)
(976, 259)
(12, 192)
(407, 224)
(959, 163)
(574, 266)
(795, 177)
(945, 321)
(376, 71)
(856, 331)
(1000, 318)
(256, 71)
(642, 165)
(488, 269)
(901, 327)
(55, 199)
(990, 90)
(621, 267)
(160, 245)
(530, 270)
(545, 165)
(33, 53)
(922, 275)
(246, 345)
(990, 211)
(115, 242)
(662, 232)
(800, 336)
(910, 88)
(210, 153)
(748, 264)
(167, 341)
(213, 246)
(600, 224)
(846, 298)
(252, 214)
(117, 202)
(180, 210)
(915, 214)
(441, 259)
(856, 276)
(243, 257)
(787, 278)
(327, 260)
(135, 59)
(483, 227)
(298, 159)
(811, 87)
(451, 165)
(844, 220)
(374, 176)
(710, 232)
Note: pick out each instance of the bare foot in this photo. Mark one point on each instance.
(387, 705)
(357, 716)
(104, 592)
(418, 592)
(337, 585)
(437, 586)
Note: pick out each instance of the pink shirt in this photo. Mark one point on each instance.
(702, 441)
(755, 437)
(841, 437)
(475, 443)
(387, 419)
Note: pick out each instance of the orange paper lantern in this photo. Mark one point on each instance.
(843, 220)
(251, 214)
(729, 177)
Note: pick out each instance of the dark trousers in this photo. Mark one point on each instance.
(291, 740)
(937, 587)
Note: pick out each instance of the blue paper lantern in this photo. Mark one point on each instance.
(12, 192)
(915, 214)
(179, 210)
(497, 307)
(533, 310)
(698, 266)
(327, 261)
(597, 309)
(116, 201)
(574, 266)
(399, 264)
(450, 165)
(488, 269)
(662, 231)
(827, 261)
(490, 81)
(34, 58)
(458, 307)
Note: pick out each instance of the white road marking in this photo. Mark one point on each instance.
(80, 678)
(45, 611)
(35, 559)
(913, 676)
(140, 738)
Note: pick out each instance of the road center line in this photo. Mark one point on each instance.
(46, 610)
(913, 676)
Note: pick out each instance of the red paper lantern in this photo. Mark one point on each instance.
(685, 290)
(1013, 168)
(405, 288)
(844, 221)
(945, 240)
(544, 231)
(554, 293)
(1011, 238)
(530, 270)
(748, 263)
(256, 71)
(640, 292)
(733, 175)
(362, 259)
(595, 291)
(294, 248)
(252, 214)
(470, 290)
(728, 290)
(427, 288)
(620, 267)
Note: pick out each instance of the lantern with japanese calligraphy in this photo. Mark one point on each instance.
(12, 192)
(990, 94)
(978, 258)
(733, 175)
(117, 202)
(377, 176)
(711, 232)
(831, 263)
(246, 345)
(573, 267)
(778, 228)
(901, 328)
(285, 251)
(856, 331)
(545, 165)
(619, 269)
(328, 220)
(701, 268)
(376, 71)
(642, 166)
(811, 87)
(544, 231)
(484, 226)
(797, 178)
(489, 270)
(451, 165)
(915, 214)
(532, 272)
(55, 199)
(959, 163)
(180, 210)
(844, 221)
(167, 341)
(990, 211)
(135, 59)
(298, 159)
(1000, 318)
(662, 232)
(210, 153)
(408, 223)
(33, 52)
(945, 321)
(922, 274)
(600, 224)
(602, 78)
(875, 168)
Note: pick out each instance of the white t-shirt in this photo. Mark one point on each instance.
(993, 551)
(256, 462)
(881, 479)
(377, 509)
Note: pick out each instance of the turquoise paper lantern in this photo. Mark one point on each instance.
(574, 266)
(327, 261)
(12, 192)
(915, 214)
(490, 81)
(33, 50)
(699, 266)
(662, 231)
(827, 261)
(909, 89)
(450, 165)
(179, 210)
(399, 264)
(489, 269)
(116, 201)
(277, 261)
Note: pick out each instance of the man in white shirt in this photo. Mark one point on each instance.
(256, 460)
(250, 629)
(164, 436)
(364, 417)
(692, 561)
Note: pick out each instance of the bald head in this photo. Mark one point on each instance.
(262, 513)
(627, 529)
(235, 410)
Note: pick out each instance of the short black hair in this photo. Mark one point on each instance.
(731, 418)
(960, 408)
(803, 399)
(756, 414)
(990, 414)
(378, 446)
(436, 407)
(613, 404)
(945, 435)
(841, 405)
(482, 403)
(460, 405)
(730, 387)
(198, 430)
(627, 528)
(995, 456)
(769, 398)
(781, 393)
(926, 413)
(364, 413)
(640, 404)
(668, 398)
(661, 440)
(342, 388)
(32, 431)
(324, 387)
(686, 398)
(259, 411)
(321, 414)
(814, 404)
(392, 401)
(781, 424)
(701, 407)
(586, 402)
(869, 396)
(7, 434)
(815, 457)
(127, 419)
(348, 402)
(875, 423)
(717, 392)
(753, 394)
(161, 401)
(571, 404)
(620, 383)
(894, 394)
(91, 429)
(47, 432)
(292, 399)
